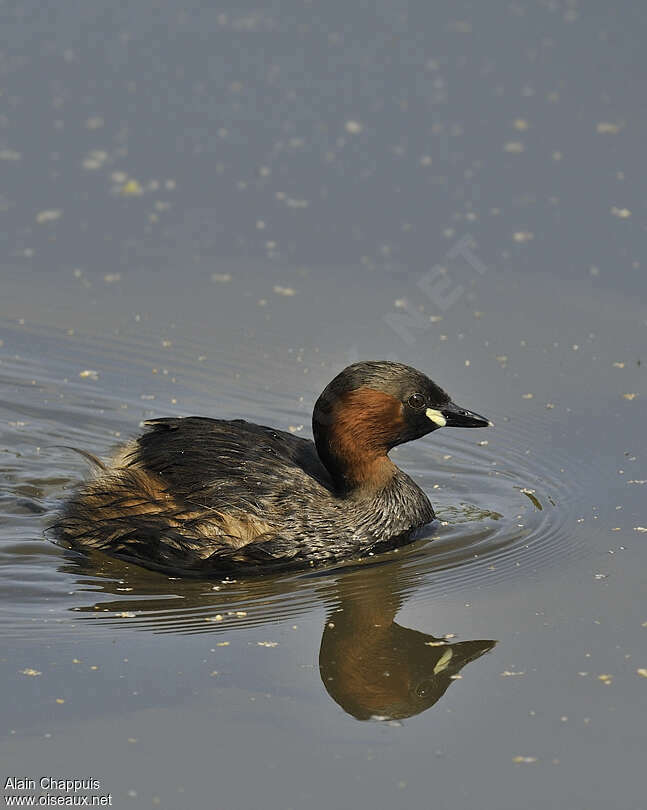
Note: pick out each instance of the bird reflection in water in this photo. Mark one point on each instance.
(371, 666)
(376, 669)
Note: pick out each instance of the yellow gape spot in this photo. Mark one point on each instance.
(436, 417)
(443, 662)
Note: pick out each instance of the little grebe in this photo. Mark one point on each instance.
(196, 495)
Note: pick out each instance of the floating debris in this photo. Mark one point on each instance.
(89, 374)
(112, 278)
(50, 215)
(95, 159)
(606, 679)
(642, 672)
(132, 188)
(523, 236)
(621, 213)
(353, 127)
(607, 128)
(267, 643)
(519, 759)
(287, 291)
(221, 277)
(514, 147)
(630, 396)
(31, 672)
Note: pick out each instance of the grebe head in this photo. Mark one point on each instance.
(371, 407)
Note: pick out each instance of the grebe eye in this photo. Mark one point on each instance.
(416, 401)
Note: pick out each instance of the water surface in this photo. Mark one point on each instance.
(213, 212)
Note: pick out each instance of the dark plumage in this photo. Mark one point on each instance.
(198, 495)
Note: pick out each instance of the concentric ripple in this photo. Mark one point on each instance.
(505, 506)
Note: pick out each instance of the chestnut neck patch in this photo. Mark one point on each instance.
(354, 436)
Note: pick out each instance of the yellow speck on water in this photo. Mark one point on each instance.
(514, 147)
(223, 644)
(521, 124)
(510, 673)
(295, 428)
(60, 700)
(527, 396)
(353, 127)
(132, 188)
(221, 277)
(89, 374)
(94, 667)
(618, 364)
(132, 739)
(630, 396)
(519, 759)
(217, 618)
(267, 643)
(606, 679)
(606, 128)
(48, 216)
(112, 278)
(287, 291)
(523, 236)
(621, 213)
(642, 672)
(31, 672)
(640, 528)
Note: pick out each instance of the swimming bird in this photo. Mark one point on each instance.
(196, 495)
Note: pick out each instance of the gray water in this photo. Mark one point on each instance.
(213, 211)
